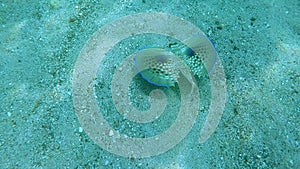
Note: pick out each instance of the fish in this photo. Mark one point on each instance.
(156, 66)
(161, 67)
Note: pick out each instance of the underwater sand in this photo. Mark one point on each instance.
(257, 42)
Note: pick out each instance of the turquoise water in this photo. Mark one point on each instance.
(258, 46)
